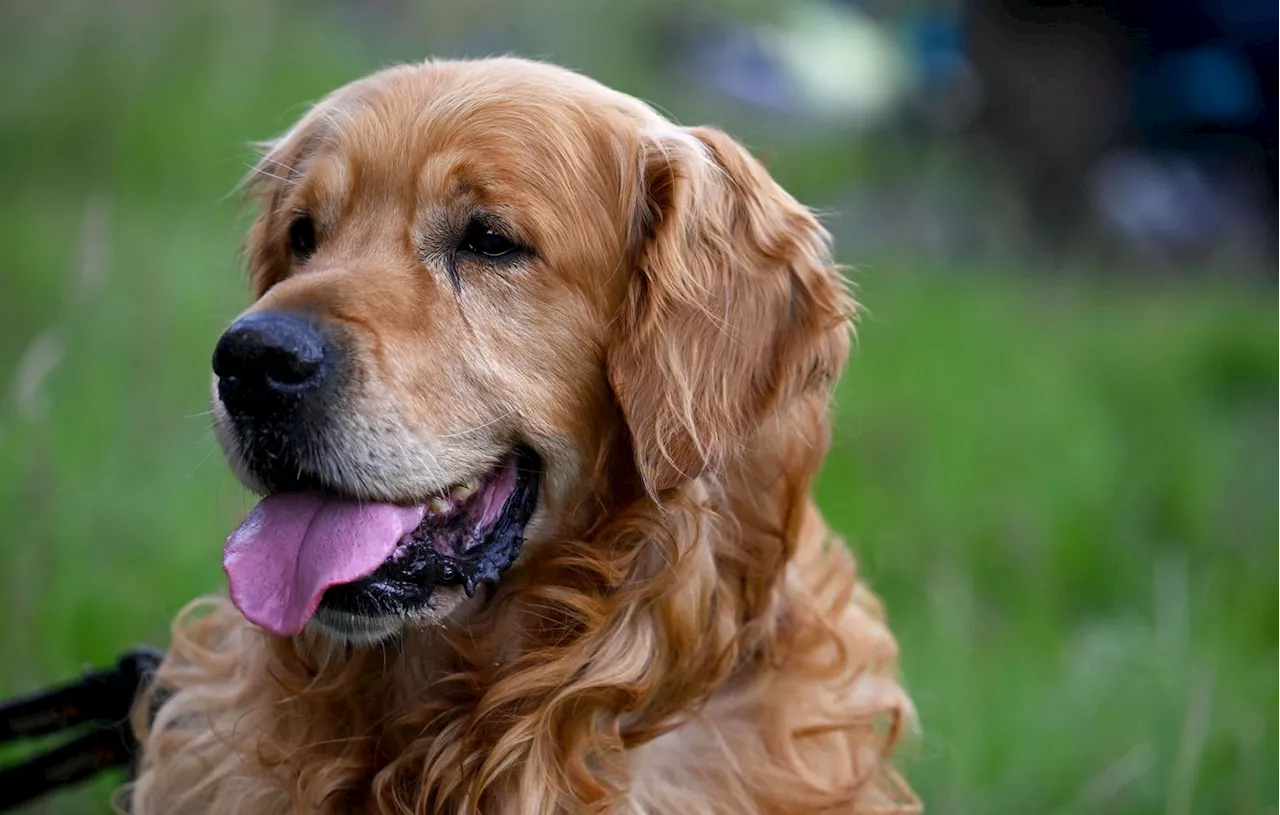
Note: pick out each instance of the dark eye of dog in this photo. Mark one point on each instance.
(481, 239)
(302, 237)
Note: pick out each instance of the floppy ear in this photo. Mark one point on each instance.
(735, 307)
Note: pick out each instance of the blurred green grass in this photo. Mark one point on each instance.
(1065, 488)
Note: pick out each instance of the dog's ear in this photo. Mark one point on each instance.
(735, 307)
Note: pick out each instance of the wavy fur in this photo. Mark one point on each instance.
(690, 639)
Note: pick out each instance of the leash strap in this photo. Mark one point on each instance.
(99, 704)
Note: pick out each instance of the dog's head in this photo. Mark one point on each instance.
(494, 300)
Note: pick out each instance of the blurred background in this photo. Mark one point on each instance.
(1056, 453)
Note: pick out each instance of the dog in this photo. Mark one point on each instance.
(534, 387)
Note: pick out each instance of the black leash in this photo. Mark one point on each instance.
(99, 705)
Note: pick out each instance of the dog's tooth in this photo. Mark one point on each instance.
(439, 505)
(465, 490)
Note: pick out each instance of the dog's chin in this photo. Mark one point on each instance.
(356, 629)
(346, 628)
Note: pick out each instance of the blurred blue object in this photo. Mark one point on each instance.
(936, 42)
(1209, 84)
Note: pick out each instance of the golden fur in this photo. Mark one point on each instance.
(682, 633)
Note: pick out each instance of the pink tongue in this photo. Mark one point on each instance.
(294, 545)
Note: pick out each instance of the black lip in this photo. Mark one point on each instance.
(407, 583)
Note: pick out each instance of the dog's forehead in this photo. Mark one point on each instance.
(522, 121)
(547, 151)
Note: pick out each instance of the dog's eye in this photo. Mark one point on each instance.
(484, 240)
(302, 237)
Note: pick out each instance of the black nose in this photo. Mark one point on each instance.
(269, 356)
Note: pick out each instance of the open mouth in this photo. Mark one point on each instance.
(302, 552)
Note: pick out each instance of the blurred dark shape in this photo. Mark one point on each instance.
(1153, 121)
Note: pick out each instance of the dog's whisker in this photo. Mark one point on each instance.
(203, 461)
(264, 172)
(288, 168)
(477, 428)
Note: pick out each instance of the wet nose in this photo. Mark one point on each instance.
(268, 356)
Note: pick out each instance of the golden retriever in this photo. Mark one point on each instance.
(535, 388)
